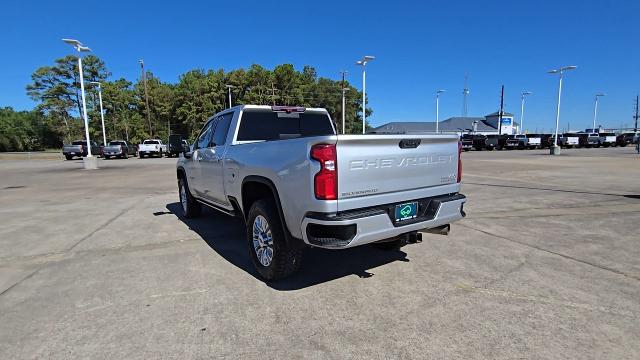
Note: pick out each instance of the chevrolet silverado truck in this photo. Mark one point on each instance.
(607, 139)
(119, 148)
(534, 141)
(151, 147)
(79, 148)
(296, 183)
(569, 140)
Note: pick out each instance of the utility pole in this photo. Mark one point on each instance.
(465, 95)
(344, 73)
(635, 127)
(501, 111)
(146, 96)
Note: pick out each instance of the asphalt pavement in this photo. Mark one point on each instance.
(98, 264)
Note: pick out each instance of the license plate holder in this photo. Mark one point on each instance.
(406, 211)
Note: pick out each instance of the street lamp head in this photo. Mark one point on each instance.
(525, 93)
(72, 42)
(95, 83)
(553, 71)
(359, 62)
(368, 58)
(440, 91)
(141, 61)
(600, 94)
(570, 67)
(84, 48)
(229, 86)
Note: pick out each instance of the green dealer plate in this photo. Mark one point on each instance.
(406, 211)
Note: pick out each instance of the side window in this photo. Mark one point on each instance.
(205, 135)
(222, 128)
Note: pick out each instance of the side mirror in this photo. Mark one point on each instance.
(186, 151)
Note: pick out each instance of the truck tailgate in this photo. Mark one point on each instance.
(370, 165)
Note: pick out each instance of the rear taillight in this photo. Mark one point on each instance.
(326, 180)
(121, 148)
(459, 161)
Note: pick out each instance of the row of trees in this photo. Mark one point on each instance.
(182, 107)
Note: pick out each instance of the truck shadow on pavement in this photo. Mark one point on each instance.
(226, 236)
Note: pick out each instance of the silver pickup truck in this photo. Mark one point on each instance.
(296, 183)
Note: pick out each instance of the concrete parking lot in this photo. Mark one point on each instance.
(97, 264)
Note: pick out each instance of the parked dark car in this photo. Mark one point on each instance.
(119, 148)
(176, 145)
(79, 148)
(467, 142)
(497, 142)
(516, 142)
(627, 138)
(546, 140)
(479, 142)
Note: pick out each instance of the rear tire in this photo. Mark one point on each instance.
(68, 157)
(190, 207)
(272, 255)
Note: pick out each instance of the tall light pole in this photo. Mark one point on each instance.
(555, 149)
(363, 63)
(438, 92)
(229, 90)
(595, 110)
(524, 94)
(104, 134)
(80, 49)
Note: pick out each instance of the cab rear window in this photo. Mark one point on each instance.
(258, 124)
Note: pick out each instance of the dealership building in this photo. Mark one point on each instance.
(476, 125)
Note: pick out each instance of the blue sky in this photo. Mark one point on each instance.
(419, 47)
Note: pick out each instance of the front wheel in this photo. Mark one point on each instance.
(190, 207)
(273, 257)
(160, 154)
(68, 157)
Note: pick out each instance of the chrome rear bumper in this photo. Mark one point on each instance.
(362, 227)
